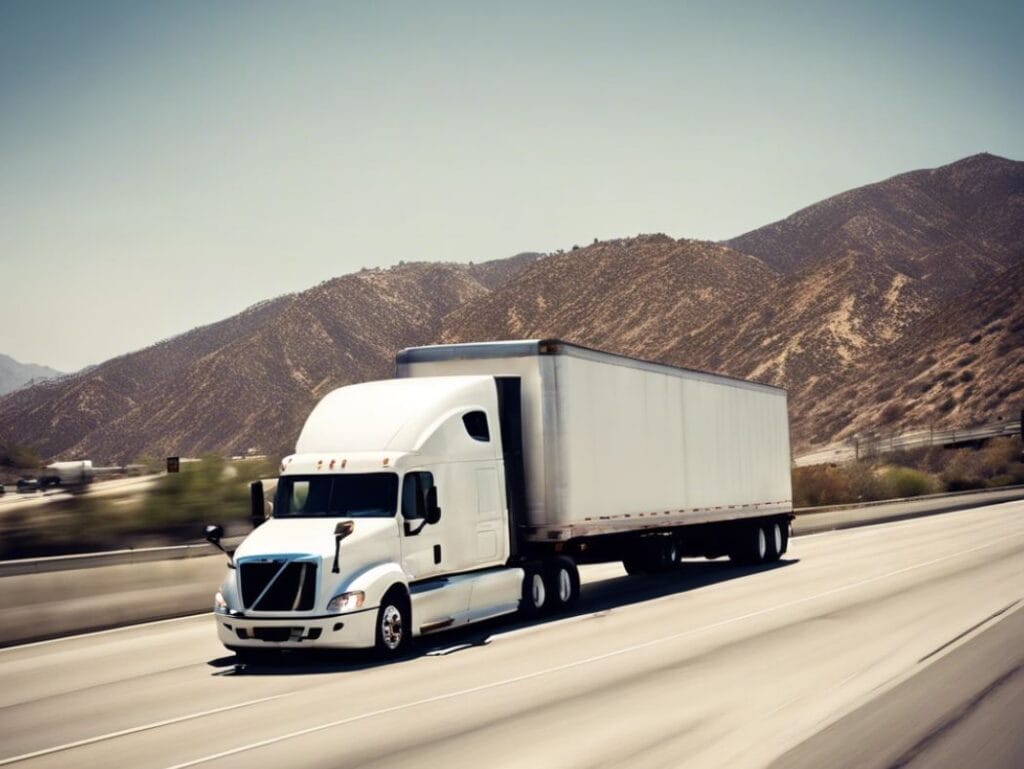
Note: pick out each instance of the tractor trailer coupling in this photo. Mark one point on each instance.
(473, 484)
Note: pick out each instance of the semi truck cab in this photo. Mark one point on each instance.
(395, 503)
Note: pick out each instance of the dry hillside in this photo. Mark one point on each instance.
(887, 307)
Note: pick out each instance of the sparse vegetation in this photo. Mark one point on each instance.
(910, 474)
(891, 413)
(15, 456)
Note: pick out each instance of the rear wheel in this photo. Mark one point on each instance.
(393, 626)
(773, 534)
(534, 598)
(749, 545)
(563, 583)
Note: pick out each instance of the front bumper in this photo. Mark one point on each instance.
(353, 630)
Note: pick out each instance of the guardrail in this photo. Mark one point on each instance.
(110, 558)
(872, 446)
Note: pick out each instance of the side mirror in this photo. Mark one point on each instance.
(257, 507)
(433, 513)
(342, 530)
(214, 533)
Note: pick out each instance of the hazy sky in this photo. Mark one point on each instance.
(166, 165)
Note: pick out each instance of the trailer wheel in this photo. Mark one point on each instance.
(773, 535)
(749, 544)
(535, 592)
(784, 524)
(669, 555)
(563, 583)
(394, 628)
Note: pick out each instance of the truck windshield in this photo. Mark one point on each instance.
(367, 495)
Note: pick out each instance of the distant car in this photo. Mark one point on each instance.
(28, 485)
(2, 489)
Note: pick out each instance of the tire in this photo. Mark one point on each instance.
(562, 580)
(750, 545)
(775, 540)
(394, 625)
(534, 598)
(669, 560)
(785, 524)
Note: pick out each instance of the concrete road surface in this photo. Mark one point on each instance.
(713, 666)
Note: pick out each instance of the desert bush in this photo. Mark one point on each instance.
(891, 413)
(820, 485)
(905, 482)
(965, 470)
(19, 457)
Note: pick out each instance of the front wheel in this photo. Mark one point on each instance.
(394, 628)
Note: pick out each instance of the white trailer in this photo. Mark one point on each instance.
(473, 484)
(73, 474)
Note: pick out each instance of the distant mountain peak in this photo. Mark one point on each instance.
(15, 375)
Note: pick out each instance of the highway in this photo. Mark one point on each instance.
(918, 620)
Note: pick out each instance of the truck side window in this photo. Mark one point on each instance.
(476, 426)
(414, 494)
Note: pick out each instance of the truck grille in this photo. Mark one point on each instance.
(294, 588)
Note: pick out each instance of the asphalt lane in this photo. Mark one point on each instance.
(966, 709)
(711, 666)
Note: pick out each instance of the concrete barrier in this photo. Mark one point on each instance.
(40, 605)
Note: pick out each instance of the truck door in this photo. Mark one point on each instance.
(440, 598)
(422, 554)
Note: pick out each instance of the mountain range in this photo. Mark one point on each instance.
(894, 305)
(14, 374)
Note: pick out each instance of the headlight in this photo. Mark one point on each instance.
(219, 604)
(347, 602)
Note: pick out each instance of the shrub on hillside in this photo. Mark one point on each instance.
(19, 457)
(904, 482)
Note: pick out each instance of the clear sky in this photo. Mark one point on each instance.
(164, 165)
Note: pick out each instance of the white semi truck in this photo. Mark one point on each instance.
(472, 484)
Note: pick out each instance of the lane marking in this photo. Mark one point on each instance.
(136, 730)
(579, 663)
(93, 633)
(971, 630)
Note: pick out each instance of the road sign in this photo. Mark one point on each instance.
(173, 464)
